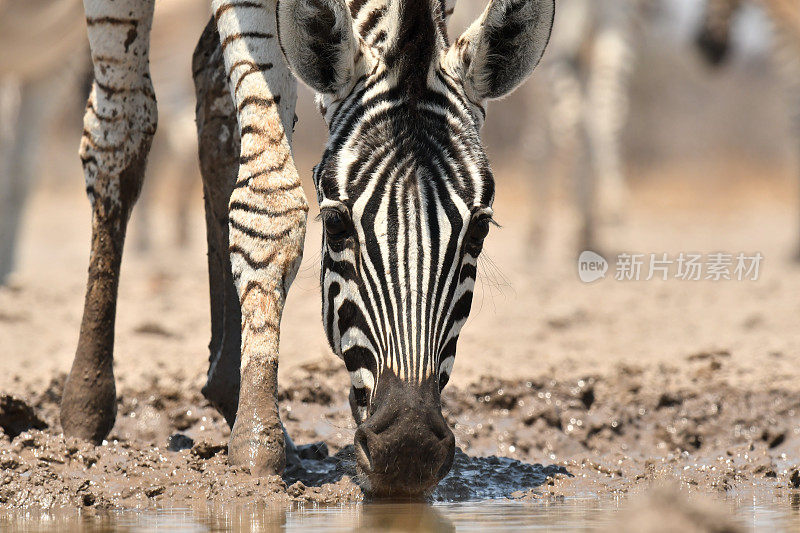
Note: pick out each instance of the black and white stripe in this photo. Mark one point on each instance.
(405, 193)
(404, 185)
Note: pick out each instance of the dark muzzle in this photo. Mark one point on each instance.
(405, 447)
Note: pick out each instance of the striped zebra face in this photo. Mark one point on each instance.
(405, 194)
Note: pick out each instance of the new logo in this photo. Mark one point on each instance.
(591, 266)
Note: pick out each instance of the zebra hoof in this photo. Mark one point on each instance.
(257, 445)
(89, 403)
(223, 394)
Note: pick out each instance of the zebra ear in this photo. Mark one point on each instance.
(500, 49)
(318, 41)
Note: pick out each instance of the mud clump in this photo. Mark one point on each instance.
(178, 442)
(206, 450)
(17, 416)
(46, 471)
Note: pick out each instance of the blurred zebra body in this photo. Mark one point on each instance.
(39, 64)
(713, 41)
(43, 71)
(586, 71)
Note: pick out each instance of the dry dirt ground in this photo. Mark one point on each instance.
(612, 386)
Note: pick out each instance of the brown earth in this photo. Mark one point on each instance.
(617, 386)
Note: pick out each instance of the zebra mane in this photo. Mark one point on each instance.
(407, 34)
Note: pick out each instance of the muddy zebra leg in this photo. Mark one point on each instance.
(266, 218)
(218, 146)
(119, 124)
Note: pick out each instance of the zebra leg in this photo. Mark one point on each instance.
(787, 57)
(607, 113)
(586, 191)
(119, 124)
(267, 220)
(19, 162)
(537, 147)
(12, 184)
(796, 101)
(565, 115)
(218, 145)
(607, 106)
(793, 88)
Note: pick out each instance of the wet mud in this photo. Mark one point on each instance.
(590, 435)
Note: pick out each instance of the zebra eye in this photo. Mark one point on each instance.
(481, 228)
(443, 379)
(479, 231)
(336, 224)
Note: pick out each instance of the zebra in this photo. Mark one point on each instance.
(43, 71)
(404, 188)
(37, 67)
(713, 40)
(586, 73)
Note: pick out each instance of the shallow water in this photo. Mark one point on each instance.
(473, 516)
(752, 512)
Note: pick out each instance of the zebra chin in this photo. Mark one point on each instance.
(404, 446)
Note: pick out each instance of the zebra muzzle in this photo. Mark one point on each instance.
(405, 447)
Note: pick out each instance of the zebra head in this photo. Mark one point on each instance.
(405, 193)
(713, 37)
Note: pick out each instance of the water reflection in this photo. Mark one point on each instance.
(365, 517)
(410, 517)
(779, 512)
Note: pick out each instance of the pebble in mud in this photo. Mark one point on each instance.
(178, 442)
(206, 449)
(794, 479)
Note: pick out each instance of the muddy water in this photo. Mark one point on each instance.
(653, 512)
(385, 517)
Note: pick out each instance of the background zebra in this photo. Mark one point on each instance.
(44, 78)
(404, 188)
(39, 69)
(585, 83)
(714, 39)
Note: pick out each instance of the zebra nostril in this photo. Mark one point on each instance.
(438, 426)
(363, 456)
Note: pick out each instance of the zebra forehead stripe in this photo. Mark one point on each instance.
(405, 165)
